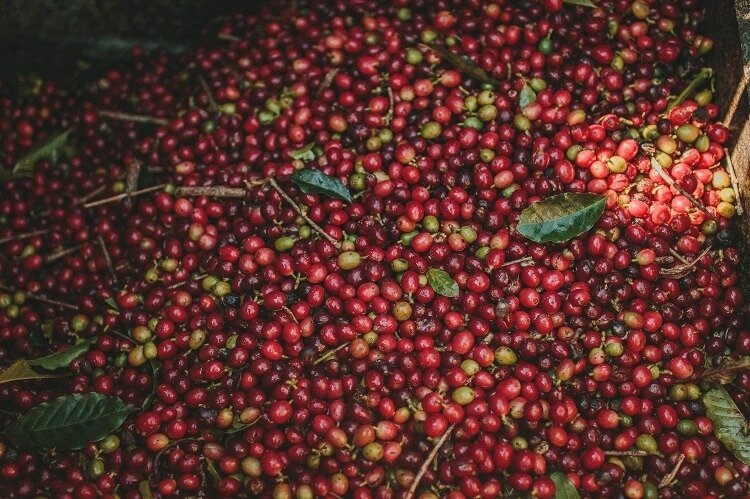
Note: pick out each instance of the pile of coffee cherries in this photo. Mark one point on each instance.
(276, 340)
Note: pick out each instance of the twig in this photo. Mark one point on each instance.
(679, 271)
(520, 261)
(25, 235)
(296, 207)
(218, 191)
(670, 181)
(62, 253)
(209, 95)
(228, 37)
(667, 480)
(622, 453)
(118, 197)
(678, 256)
(327, 355)
(107, 257)
(735, 184)
(91, 194)
(42, 299)
(137, 118)
(426, 463)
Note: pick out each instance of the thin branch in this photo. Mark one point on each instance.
(218, 191)
(703, 75)
(39, 298)
(301, 213)
(678, 256)
(623, 453)
(228, 37)
(520, 261)
(25, 235)
(671, 182)
(62, 253)
(426, 463)
(667, 480)
(209, 95)
(107, 257)
(136, 118)
(118, 197)
(91, 194)
(327, 355)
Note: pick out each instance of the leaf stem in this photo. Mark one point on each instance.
(426, 463)
(136, 118)
(703, 75)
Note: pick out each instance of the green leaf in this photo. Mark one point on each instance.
(582, 3)
(20, 370)
(51, 149)
(316, 182)
(464, 65)
(212, 471)
(526, 96)
(564, 488)
(442, 283)
(68, 422)
(561, 217)
(727, 371)
(145, 489)
(112, 303)
(305, 153)
(155, 373)
(59, 360)
(730, 425)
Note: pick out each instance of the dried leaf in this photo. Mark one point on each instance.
(464, 65)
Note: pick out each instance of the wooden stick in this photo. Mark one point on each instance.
(25, 235)
(426, 463)
(42, 299)
(735, 103)
(62, 253)
(296, 207)
(118, 197)
(667, 480)
(136, 118)
(735, 183)
(218, 191)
